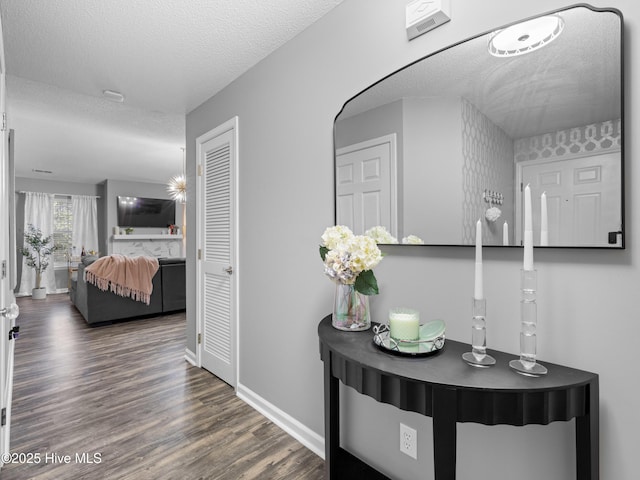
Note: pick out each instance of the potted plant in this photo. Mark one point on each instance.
(37, 251)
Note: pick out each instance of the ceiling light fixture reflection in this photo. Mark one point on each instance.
(525, 37)
(177, 186)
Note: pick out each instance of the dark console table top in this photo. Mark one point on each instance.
(485, 395)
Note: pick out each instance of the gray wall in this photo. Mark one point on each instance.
(587, 311)
(114, 188)
(433, 169)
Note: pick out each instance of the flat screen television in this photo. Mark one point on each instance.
(146, 212)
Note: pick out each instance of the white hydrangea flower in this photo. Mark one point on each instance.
(365, 254)
(412, 240)
(348, 255)
(381, 235)
(334, 236)
(337, 267)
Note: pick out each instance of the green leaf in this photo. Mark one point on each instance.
(366, 283)
(323, 252)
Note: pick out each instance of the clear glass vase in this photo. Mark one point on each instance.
(350, 309)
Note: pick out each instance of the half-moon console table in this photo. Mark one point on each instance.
(447, 389)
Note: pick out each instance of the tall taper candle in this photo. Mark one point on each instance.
(478, 355)
(505, 234)
(478, 292)
(544, 222)
(528, 231)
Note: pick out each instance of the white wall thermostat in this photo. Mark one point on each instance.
(425, 15)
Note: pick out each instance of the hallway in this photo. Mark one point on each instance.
(120, 402)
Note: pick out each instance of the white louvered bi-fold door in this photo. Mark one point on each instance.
(217, 286)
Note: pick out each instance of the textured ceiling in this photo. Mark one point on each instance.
(165, 56)
(573, 81)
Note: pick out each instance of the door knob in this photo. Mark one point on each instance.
(229, 270)
(11, 312)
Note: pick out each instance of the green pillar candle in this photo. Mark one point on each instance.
(404, 324)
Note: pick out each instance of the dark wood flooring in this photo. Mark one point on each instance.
(122, 403)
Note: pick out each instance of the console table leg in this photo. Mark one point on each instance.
(444, 433)
(331, 421)
(587, 438)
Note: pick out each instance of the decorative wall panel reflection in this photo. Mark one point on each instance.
(586, 140)
(487, 154)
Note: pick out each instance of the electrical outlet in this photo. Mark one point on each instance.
(408, 441)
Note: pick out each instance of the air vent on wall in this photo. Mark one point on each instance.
(426, 26)
(425, 15)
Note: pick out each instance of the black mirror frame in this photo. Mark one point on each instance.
(622, 127)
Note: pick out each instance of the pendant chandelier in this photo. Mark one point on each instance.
(177, 186)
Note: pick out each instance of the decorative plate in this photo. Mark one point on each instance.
(431, 340)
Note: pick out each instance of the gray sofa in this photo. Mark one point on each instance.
(96, 306)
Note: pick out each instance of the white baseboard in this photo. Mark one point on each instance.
(290, 425)
(190, 357)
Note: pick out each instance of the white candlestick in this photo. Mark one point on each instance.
(528, 231)
(478, 292)
(544, 222)
(505, 234)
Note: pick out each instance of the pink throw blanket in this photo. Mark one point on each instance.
(124, 276)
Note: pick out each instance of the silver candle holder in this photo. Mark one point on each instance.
(478, 356)
(527, 364)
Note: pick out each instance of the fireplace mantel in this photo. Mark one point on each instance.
(148, 244)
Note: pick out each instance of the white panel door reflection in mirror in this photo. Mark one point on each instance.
(583, 199)
(365, 185)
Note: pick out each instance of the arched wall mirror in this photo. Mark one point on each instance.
(454, 137)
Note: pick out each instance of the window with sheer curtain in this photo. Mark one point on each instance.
(72, 221)
(62, 230)
(38, 211)
(84, 223)
(75, 225)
